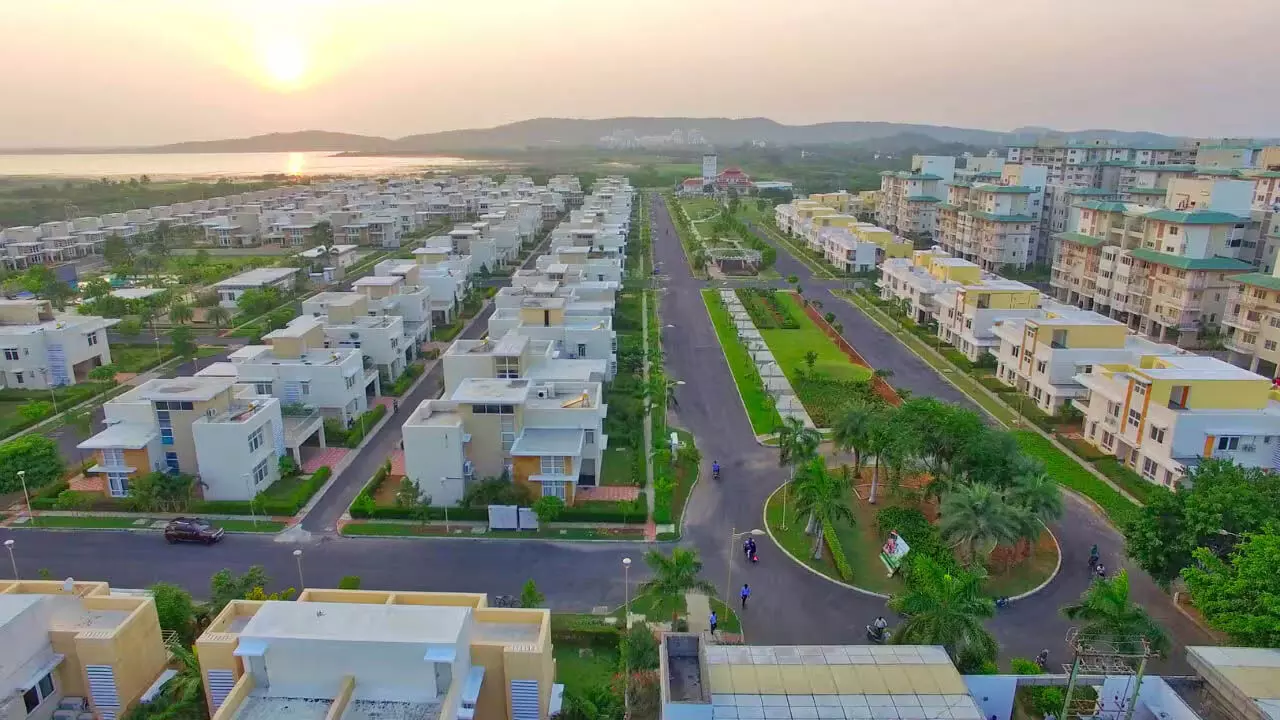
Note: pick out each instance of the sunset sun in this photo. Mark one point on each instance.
(283, 61)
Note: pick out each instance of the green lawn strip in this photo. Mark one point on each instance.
(138, 358)
(249, 526)
(87, 521)
(686, 476)
(386, 529)
(727, 617)
(1069, 473)
(583, 666)
(764, 418)
(617, 467)
(790, 346)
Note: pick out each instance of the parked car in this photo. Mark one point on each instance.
(192, 530)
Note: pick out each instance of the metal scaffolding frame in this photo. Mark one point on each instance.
(1106, 656)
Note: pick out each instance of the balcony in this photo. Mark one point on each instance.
(1242, 322)
(1235, 344)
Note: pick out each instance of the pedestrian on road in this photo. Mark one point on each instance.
(715, 621)
(746, 593)
(1102, 571)
(1093, 557)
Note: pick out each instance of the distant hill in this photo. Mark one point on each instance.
(550, 133)
(302, 141)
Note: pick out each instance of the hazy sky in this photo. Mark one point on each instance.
(102, 72)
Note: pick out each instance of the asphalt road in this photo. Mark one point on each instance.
(789, 604)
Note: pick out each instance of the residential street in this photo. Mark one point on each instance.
(789, 604)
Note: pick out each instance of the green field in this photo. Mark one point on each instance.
(789, 347)
(764, 418)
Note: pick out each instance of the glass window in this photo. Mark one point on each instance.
(553, 489)
(11, 353)
(171, 461)
(260, 473)
(46, 685)
(1228, 443)
(118, 484)
(255, 440)
(553, 465)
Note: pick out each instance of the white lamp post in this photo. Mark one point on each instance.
(22, 475)
(297, 554)
(9, 546)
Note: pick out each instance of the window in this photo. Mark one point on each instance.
(553, 465)
(262, 388)
(255, 440)
(351, 381)
(171, 460)
(118, 484)
(259, 473)
(589, 437)
(1107, 439)
(553, 489)
(1135, 417)
(38, 693)
(1269, 345)
(92, 338)
(166, 436)
(1139, 389)
(18, 377)
(11, 353)
(1157, 434)
(582, 350)
(1229, 443)
(1149, 468)
(506, 367)
(1040, 366)
(305, 387)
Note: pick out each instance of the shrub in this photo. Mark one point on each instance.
(406, 379)
(602, 511)
(1133, 483)
(350, 437)
(1070, 474)
(922, 535)
(1043, 699)
(548, 509)
(35, 454)
(74, 500)
(837, 552)
(583, 631)
(349, 582)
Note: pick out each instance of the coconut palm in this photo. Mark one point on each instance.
(946, 609)
(673, 576)
(823, 497)
(978, 516)
(1105, 611)
(1038, 495)
(180, 313)
(852, 431)
(217, 315)
(796, 444)
(886, 444)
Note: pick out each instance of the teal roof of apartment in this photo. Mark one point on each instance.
(1001, 218)
(1195, 217)
(1090, 191)
(1116, 163)
(988, 174)
(1147, 191)
(1264, 174)
(1186, 263)
(1221, 172)
(923, 198)
(904, 175)
(1167, 168)
(961, 184)
(1270, 282)
(1080, 239)
(1006, 189)
(948, 206)
(1103, 205)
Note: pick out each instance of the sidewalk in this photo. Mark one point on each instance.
(698, 608)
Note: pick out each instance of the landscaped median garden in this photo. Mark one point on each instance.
(759, 406)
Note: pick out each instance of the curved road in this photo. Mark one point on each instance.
(789, 604)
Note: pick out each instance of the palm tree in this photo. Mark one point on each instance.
(946, 609)
(796, 444)
(1039, 499)
(979, 516)
(884, 444)
(217, 315)
(852, 432)
(674, 575)
(823, 497)
(180, 313)
(1105, 611)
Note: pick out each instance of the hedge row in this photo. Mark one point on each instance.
(837, 552)
(350, 437)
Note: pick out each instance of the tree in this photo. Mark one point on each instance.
(810, 360)
(129, 327)
(217, 315)
(256, 301)
(1241, 595)
(160, 492)
(1106, 612)
(181, 698)
(35, 454)
(639, 648)
(796, 444)
(943, 431)
(1040, 500)
(176, 610)
(823, 497)
(946, 609)
(852, 432)
(96, 288)
(979, 517)
(35, 410)
(225, 587)
(183, 343)
(530, 596)
(888, 442)
(548, 508)
(103, 373)
(181, 313)
(408, 493)
(674, 575)
(349, 582)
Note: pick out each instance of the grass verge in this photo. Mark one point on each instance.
(387, 529)
(764, 418)
(1070, 474)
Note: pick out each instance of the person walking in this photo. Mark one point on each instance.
(1093, 557)
(715, 621)
(744, 594)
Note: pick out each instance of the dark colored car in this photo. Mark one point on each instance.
(192, 530)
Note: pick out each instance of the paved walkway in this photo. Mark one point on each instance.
(600, 492)
(699, 610)
(330, 456)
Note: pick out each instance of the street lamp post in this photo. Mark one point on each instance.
(297, 554)
(8, 544)
(22, 475)
(626, 626)
(733, 540)
(44, 372)
(249, 487)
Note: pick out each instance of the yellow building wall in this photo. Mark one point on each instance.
(134, 650)
(897, 250)
(1084, 336)
(967, 274)
(1004, 299)
(1217, 394)
(541, 316)
(523, 467)
(71, 675)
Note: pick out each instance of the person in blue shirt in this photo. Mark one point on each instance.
(744, 594)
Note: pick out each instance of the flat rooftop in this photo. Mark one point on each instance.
(491, 390)
(130, 436)
(263, 707)
(378, 280)
(190, 389)
(135, 293)
(356, 622)
(257, 277)
(1196, 367)
(296, 328)
(339, 299)
(549, 442)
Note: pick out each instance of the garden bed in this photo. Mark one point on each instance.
(768, 309)
(760, 411)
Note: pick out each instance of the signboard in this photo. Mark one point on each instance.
(892, 552)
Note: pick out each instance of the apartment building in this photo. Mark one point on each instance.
(296, 367)
(349, 323)
(226, 435)
(393, 295)
(328, 264)
(847, 251)
(1164, 272)
(73, 649)
(546, 435)
(1079, 163)
(514, 356)
(994, 224)
(40, 348)
(1041, 354)
(567, 263)
(243, 228)
(1161, 415)
(362, 653)
(580, 329)
(229, 291)
(1252, 323)
(909, 199)
(445, 284)
(963, 301)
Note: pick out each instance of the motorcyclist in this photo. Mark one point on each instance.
(715, 469)
(1043, 658)
(880, 625)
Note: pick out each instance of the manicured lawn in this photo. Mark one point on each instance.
(794, 540)
(580, 667)
(284, 487)
(662, 611)
(249, 526)
(1070, 474)
(789, 347)
(137, 358)
(618, 466)
(87, 521)
(764, 418)
(387, 529)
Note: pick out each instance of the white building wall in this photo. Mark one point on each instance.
(433, 457)
(224, 459)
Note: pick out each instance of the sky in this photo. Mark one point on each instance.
(137, 72)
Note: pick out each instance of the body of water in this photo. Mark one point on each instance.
(217, 165)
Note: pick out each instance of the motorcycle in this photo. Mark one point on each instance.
(715, 473)
(880, 638)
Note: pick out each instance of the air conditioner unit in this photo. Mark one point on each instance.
(544, 393)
